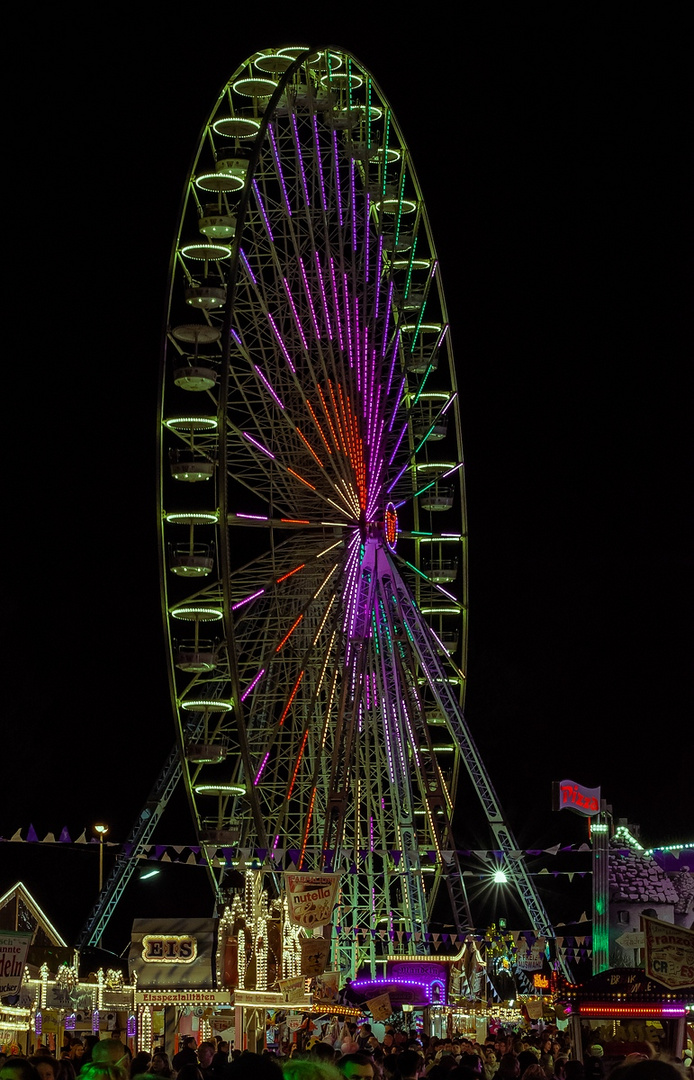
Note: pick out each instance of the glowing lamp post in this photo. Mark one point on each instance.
(101, 830)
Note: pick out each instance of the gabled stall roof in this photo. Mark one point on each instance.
(18, 896)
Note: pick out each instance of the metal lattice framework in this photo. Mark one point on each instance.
(313, 505)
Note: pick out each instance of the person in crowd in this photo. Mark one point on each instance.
(509, 1068)
(594, 1064)
(206, 1052)
(356, 1065)
(491, 1065)
(186, 1055)
(46, 1067)
(140, 1064)
(16, 1068)
(161, 1066)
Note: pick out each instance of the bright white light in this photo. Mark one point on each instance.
(500, 877)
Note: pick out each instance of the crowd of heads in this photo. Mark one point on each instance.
(348, 1054)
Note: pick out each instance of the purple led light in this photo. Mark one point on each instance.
(354, 204)
(260, 773)
(366, 241)
(267, 384)
(253, 517)
(397, 445)
(259, 445)
(325, 298)
(262, 210)
(392, 363)
(404, 469)
(441, 336)
(301, 160)
(281, 343)
(249, 689)
(348, 320)
(246, 264)
(295, 313)
(236, 337)
(319, 160)
(387, 316)
(337, 176)
(279, 168)
(247, 599)
(309, 298)
(337, 305)
(449, 403)
(397, 403)
(379, 261)
(438, 641)
(453, 470)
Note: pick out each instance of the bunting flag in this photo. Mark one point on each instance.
(426, 856)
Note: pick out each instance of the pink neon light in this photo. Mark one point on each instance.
(337, 176)
(320, 162)
(295, 312)
(269, 388)
(323, 294)
(309, 298)
(262, 211)
(301, 160)
(249, 689)
(259, 445)
(247, 599)
(260, 772)
(279, 168)
(281, 343)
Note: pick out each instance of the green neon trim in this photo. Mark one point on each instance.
(417, 570)
(349, 83)
(410, 268)
(416, 532)
(419, 323)
(402, 194)
(425, 437)
(386, 136)
(426, 376)
(422, 490)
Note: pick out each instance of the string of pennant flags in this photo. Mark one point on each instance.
(192, 854)
(573, 947)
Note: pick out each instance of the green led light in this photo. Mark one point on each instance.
(207, 705)
(191, 518)
(220, 789)
(416, 570)
(205, 614)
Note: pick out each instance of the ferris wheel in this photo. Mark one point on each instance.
(314, 579)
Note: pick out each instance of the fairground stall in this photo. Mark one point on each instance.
(624, 1011)
(46, 995)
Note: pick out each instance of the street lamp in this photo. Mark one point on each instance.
(101, 830)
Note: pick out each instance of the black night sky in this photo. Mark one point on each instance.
(550, 148)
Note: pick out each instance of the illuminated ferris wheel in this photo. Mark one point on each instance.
(313, 505)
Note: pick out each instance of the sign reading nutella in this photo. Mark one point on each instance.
(310, 898)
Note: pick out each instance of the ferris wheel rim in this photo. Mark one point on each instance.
(227, 517)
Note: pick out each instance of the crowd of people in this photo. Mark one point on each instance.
(353, 1053)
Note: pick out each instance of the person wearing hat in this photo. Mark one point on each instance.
(595, 1066)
